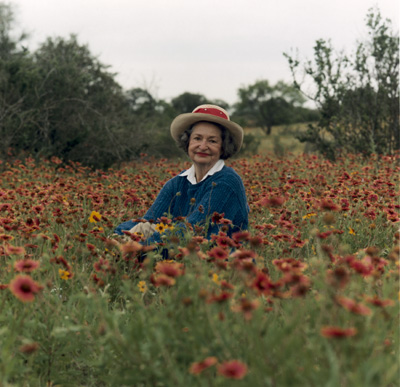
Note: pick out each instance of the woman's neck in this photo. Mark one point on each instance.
(200, 171)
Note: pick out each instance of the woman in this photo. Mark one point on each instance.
(208, 137)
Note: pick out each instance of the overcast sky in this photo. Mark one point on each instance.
(211, 47)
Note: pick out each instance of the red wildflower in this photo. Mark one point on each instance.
(162, 280)
(221, 297)
(338, 277)
(247, 307)
(101, 265)
(171, 269)
(353, 306)
(14, 250)
(336, 332)
(216, 217)
(5, 237)
(198, 367)
(131, 247)
(272, 201)
(244, 254)
(60, 260)
(289, 264)
(223, 240)
(29, 348)
(379, 302)
(26, 265)
(218, 253)
(328, 204)
(233, 369)
(241, 236)
(24, 288)
(262, 283)
(226, 285)
(38, 209)
(324, 235)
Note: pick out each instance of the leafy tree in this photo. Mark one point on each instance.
(264, 105)
(186, 102)
(357, 95)
(18, 78)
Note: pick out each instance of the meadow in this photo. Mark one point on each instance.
(308, 296)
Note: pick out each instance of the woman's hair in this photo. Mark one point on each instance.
(228, 147)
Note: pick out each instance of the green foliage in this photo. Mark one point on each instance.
(264, 105)
(186, 102)
(357, 95)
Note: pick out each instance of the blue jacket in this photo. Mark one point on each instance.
(222, 192)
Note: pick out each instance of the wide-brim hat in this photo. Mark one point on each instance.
(208, 113)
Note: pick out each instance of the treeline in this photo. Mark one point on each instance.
(61, 101)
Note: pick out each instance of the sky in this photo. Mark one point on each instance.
(210, 47)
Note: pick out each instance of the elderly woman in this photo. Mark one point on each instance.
(208, 137)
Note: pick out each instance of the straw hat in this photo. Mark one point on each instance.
(209, 113)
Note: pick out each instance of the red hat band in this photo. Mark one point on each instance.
(212, 111)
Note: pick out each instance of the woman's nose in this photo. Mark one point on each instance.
(203, 144)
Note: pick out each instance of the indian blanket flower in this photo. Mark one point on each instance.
(337, 332)
(246, 307)
(24, 288)
(102, 265)
(272, 201)
(353, 306)
(338, 277)
(14, 250)
(26, 265)
(328, 204)
(379, 301)
(221, 297)
(171, 269)
(29, 348)
(233, 369)
(218, 253)
(198, 367)
(94, 217)
(131, 247)
(5, 237)
(162, 280)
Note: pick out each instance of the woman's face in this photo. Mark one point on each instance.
(205, 144)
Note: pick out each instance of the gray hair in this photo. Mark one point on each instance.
(228, 147)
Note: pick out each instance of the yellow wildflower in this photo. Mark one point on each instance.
(308, 216)
(169, 227)
(94, 217)
(215, 278)
(142, 286)
(64, 274)
(351, 231)
(161, 227)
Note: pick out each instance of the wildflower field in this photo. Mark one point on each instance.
(308, 296)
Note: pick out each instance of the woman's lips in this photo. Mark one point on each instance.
(202, 154)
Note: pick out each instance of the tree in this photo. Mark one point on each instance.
(264, 105)
(357, 95)
(18, 77)
(186, 102)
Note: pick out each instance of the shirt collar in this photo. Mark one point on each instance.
(190, 173)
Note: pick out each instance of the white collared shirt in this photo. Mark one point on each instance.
(191, 175)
